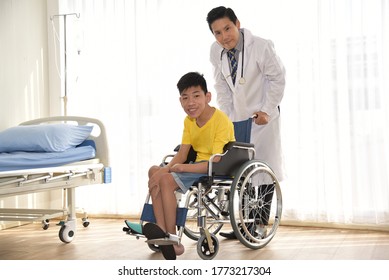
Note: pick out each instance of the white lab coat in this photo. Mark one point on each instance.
(263, 90)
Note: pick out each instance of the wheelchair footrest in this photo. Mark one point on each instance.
(172, 239)
(134, 234)
(134, 229)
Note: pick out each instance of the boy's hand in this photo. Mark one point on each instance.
(154, 180)
(178, 167)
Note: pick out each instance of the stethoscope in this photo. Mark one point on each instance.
(242, 80)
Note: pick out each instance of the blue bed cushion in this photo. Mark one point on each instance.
(27, 160)
(43, 138)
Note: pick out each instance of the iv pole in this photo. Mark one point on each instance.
(65, 98)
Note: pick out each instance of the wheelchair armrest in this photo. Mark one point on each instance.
(235, 154)
(165, 160)
(191, 155)
(239, 145)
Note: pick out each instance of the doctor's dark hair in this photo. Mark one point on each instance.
(192, 79)
(220, 12)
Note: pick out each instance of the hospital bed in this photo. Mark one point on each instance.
(27, 172)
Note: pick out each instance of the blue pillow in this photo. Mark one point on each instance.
(43, 138)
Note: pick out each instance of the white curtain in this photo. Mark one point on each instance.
(335, 132)
(334, 113)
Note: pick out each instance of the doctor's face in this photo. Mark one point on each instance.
(226, 32)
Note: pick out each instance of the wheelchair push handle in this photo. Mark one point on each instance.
(260, 120)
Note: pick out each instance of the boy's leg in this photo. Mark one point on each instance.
(159, 215)
(168, 186)
(156, 198)
(153, 169)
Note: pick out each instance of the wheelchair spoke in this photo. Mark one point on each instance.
(255, 205)
(213, 216)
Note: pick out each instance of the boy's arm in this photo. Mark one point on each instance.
(177, 163)
(181, 155)
(178, 158)
(201, 167)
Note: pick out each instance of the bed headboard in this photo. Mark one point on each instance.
(98, 134)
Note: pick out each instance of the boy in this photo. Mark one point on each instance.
(207, 130)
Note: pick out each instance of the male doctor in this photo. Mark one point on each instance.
(249, 80)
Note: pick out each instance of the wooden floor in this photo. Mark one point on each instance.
(105, 240)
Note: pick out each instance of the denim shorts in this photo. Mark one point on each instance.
(185, 180)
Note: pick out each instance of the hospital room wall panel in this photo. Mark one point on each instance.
(24, 65)
(24, 78)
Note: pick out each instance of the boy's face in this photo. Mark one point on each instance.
(226, 32)
(194, 101)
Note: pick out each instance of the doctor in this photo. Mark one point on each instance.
(249, 80)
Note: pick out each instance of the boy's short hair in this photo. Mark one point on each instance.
(192, 79)
(220, 12)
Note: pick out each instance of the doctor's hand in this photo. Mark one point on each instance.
(261, 118)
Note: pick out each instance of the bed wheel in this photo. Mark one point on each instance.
(66, 234)
(67, 231)
(85, 222)
(45, 224)
(203, 248)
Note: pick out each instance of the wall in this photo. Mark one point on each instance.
(24, 83)
(23, 56)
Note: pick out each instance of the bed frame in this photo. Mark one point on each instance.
(66, 177)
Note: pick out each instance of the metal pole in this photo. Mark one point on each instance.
(65, 98)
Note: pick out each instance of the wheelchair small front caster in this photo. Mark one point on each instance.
(204, 248)
(154, 248)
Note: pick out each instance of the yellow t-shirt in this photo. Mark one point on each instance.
(211, 137)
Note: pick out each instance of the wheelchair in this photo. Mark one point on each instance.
(238, 190)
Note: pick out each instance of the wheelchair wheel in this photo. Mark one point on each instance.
(203, 248)
(212, 211)
(255, 204)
